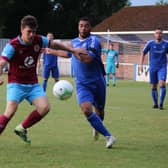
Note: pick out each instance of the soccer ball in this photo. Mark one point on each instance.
(63, 89)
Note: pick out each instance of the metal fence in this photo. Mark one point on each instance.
(3, 43)
(64, 65)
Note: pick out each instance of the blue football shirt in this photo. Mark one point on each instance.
(88, 72)
(157, 53)
(49, 59)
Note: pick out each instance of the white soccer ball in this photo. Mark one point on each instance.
(63, 89)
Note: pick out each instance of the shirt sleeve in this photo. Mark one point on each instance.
(8, 52)
(167, 46)
(146, 48)
(69, 54)
(45, 42)
(94, 47)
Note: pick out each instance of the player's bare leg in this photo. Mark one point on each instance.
(10, 110)
(42, 108)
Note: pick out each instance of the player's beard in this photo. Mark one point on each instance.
(158, 38)
(84, 35)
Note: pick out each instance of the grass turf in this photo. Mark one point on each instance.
(63, 139)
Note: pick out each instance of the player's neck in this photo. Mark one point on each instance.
(83, 37)
(25, 41)
(158, 40)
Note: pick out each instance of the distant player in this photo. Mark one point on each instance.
(112, 62)
(22, 54)
(158, 49)
(90, 82)
(49, 65)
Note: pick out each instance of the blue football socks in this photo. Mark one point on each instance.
(97, 124)
(44, 85)
(162, 94)
(155, 96)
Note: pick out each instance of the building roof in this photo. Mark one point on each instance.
(136, 18)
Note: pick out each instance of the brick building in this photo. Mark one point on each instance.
(129, 29)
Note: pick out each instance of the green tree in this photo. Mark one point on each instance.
(11, 11)
(67, 18)
(58, 16)
(162, 2)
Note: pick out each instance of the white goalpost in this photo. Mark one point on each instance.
(129, 45)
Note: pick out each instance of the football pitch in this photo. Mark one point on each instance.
(63, 139)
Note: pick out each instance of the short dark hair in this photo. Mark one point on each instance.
(85, 18)
(159, 28)
(30, 21)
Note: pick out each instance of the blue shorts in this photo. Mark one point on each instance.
(47, 69)
(110, 68)
(19, 92)
(157, 75)
(94, 92)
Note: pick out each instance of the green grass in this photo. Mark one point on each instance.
(63, 139)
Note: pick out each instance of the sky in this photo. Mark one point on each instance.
(143, 2)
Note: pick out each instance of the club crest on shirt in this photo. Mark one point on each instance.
(29, 61)
(36, 48)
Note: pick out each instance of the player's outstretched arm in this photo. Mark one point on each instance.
(60, 46)
(59, 53)
(78, 52)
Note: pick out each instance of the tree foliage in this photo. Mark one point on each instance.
(161, 2)
(58, 16)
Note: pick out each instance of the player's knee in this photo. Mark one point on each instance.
(162, 83)
(154, 86)
(86, 109)
(47, 108)
(44, 109)
(11, 109)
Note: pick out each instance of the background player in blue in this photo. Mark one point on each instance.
(158, 49)
(112, 62)
(90, 82)
(49, 65)
(22, 53)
